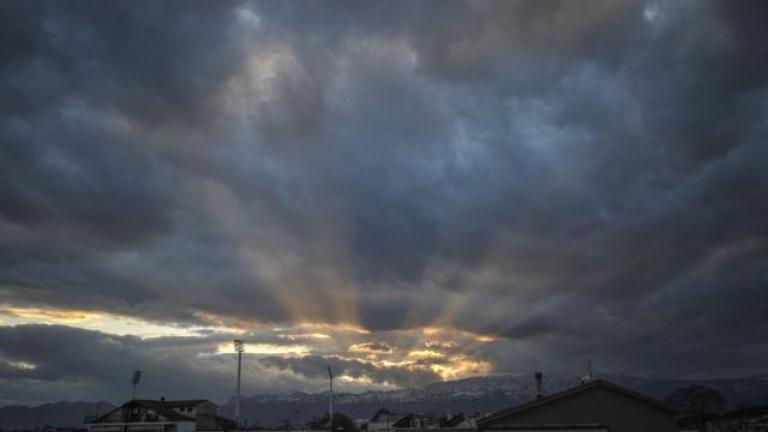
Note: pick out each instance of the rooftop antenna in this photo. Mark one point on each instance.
(134, 382)
(239, 348)
(330, 398)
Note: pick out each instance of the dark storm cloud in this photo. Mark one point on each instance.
(53, 362)
(571, 178)
(89, 364)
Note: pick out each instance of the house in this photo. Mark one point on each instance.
(592, 406)
(461, 421)
(409, 421)
(143, 415)
(382, 421)
(753, 419)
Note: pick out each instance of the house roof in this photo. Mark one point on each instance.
(403, 421)
(163, 408)
(571, 392)
(381, 412)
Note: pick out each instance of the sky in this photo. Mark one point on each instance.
(407, 191)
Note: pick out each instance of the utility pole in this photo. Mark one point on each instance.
(330, 398)
(239, 348)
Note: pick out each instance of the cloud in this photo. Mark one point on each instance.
(314, 368)
(509, 185)
(372, 347)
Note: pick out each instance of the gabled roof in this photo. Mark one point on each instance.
(381, 412)
(163, 408)
(573, 391)
(404, 421)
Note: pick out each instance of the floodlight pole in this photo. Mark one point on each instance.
(239, 347)
(134, 383)
(330, 399)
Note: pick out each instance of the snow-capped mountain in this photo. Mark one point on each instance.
(477, 394)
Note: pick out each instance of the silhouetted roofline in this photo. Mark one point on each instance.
(570, 392)
(550, 427)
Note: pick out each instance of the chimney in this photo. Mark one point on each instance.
(539, 386)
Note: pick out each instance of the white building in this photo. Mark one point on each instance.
(141, 415)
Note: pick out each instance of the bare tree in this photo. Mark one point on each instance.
(697, 402)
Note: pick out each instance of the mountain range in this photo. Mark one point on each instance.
(58, 414)
(470, 395)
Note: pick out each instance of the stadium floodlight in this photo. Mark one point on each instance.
(330, 399)
(239, 348)
(135, 381)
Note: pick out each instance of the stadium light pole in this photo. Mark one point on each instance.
(135, 382)
(330, 398)
(239, 348)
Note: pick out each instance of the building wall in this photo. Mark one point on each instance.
(594, 406)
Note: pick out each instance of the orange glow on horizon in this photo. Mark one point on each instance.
(50, 315)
